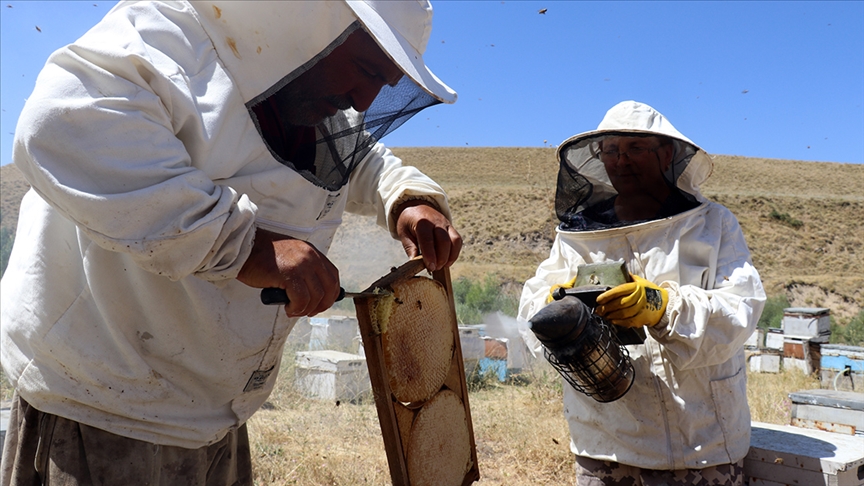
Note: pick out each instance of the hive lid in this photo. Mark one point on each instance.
(851, 352)
(796, 451)
(829, 398)
(806, 311)
(326, 360)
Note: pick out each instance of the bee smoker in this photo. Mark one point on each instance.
(582, 346)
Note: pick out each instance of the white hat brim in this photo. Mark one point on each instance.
(409, 60)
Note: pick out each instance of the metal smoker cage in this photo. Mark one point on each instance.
(595, 363)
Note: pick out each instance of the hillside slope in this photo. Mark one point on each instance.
(802, 220)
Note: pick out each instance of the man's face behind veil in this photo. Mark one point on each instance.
(349, 77)
(635, 165)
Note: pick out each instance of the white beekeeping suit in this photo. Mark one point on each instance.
(687, 407)
(150, 175)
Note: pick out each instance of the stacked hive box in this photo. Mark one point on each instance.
(331, 375)
(335, 332)
(829, 410)
(842, 367)
(473, 347)
(805, 329)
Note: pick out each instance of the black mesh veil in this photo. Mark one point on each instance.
(328, 153)
(583, 184)
(345, 140)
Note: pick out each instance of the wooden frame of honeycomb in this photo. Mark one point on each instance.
(418, 378)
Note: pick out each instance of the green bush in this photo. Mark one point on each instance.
(772, 315)
(477, 380)
(785, 218)
(474, 299)
(851, 334)
(7, 237)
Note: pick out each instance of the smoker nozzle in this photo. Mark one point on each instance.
(560, 323)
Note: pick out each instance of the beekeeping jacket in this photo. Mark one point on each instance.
(120, 307)
(687, 407)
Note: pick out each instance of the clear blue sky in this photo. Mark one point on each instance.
(760, 79)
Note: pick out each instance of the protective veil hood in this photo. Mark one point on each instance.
(265, 45)
(582, 178)
(262, 42)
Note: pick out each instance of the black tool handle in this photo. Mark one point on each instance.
(277, 296)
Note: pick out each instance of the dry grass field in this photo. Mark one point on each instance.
(802, 221)
(519, 428)
(503, 205)
(522, 437)
(812, 248)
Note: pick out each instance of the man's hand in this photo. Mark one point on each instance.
(425, 231)
(308, 277)
(633, 304)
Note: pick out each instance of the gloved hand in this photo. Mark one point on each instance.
(633, 304)
(568, 285)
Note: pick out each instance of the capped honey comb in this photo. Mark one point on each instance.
(418, 343)
(439, 447)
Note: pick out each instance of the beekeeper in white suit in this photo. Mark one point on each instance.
(183, 155)
(629, 191)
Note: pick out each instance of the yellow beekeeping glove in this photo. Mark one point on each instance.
(568, 285)
(633, 304)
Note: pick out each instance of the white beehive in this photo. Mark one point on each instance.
(786, 455)
(756, 340)
(335, 332)
(829, 410)
(774, 339)
(811, 323)
(473, 347)
(331, 375)
(300, 333)
(765, 363)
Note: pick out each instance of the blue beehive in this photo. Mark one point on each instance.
(842, 367)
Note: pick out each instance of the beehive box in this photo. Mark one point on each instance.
(496, 358)
(414, 356)
(765, 363)
(756, 340)
(842, 367)
(473, 347)
(802, 354)
(774, 339)
(335, 332)
(811, 323)
(499, 325)
(787, 455)
(829, 410)
(331, 375)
